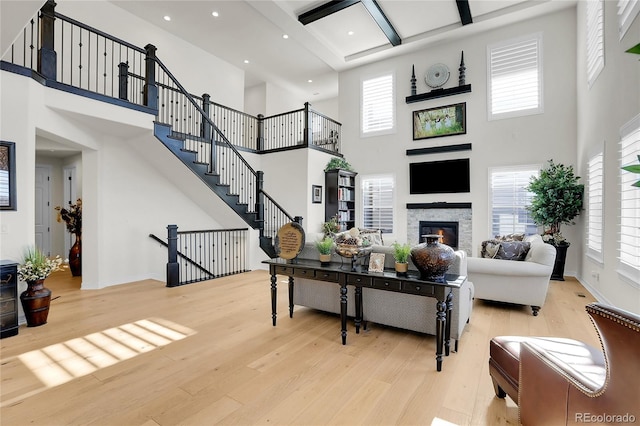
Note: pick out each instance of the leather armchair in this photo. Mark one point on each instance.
(564, 381)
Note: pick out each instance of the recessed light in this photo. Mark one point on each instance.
(215, 14)
(285, 36)
(167, 17)
(246, 61)
(350, 33)
(309, 81)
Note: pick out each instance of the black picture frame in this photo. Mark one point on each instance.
(8, 195)
(316, 194)
(447, 120)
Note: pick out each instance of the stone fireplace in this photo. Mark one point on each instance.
(446, 218)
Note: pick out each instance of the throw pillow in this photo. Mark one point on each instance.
(489, 249)
(373, 236)
(513, 250)
(510, 237)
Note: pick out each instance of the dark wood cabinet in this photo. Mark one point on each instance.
(340, 197)
(8, 298)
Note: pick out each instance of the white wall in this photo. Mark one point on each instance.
(525, 140)
(602, 110)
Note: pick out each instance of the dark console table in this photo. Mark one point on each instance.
(387, 281)
(8, 298)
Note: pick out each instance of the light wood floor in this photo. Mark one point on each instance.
(204, 354)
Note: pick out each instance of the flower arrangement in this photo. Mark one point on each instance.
(37, 266)
(72, 217)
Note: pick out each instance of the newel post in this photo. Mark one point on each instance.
(150, 86)
(123, 81)
(205, 130)
(260, 200)
(173, 268)
(260, 137)
(47, 56)
(307, 137)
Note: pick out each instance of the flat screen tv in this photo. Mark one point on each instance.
(439, 177)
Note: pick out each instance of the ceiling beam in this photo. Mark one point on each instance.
(464, 11)
(381, 19)
(325, 10)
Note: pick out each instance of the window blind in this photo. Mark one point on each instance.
(595, 40)
(509, 200)
(627, 12)
(595, 196)
(629, 238)
(378, 104)
(515, 77)
(377, 203)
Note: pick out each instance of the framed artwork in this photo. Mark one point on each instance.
(8, 176)
(376, 262)
(316, 194)
(446, 120)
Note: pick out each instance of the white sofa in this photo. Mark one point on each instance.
(411, 312)
(520, 282)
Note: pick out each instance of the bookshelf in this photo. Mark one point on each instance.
(340, 197)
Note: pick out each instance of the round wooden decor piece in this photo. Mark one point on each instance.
(289, 240)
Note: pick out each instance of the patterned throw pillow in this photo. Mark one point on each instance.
(374, 236)
(512, 250)
(510, 237)
(489, 249)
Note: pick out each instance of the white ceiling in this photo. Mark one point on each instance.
(252, 30)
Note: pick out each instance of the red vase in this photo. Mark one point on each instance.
(75, 257)
(35, 302)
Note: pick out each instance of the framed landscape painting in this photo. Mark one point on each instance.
(440, 121)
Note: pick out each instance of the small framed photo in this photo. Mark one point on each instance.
(446, 120)
(316, 194)
(376, 262)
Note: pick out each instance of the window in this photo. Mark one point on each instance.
(595, 198)
(509, 200)
(627, 12)
(377, 202)
(629, 238)
(595, 40)
(378, 106)
(515, 77)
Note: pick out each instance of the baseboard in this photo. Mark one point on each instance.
(595, 293)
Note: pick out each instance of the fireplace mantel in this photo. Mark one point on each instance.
(427, 206)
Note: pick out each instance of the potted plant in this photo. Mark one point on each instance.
(338, 163)
(325, 246)
(72, 217)
(401, 253)
(35, 268)
(331, 226)
(557, 200)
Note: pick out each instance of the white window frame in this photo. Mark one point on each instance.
(595, 205)
(387, 229)
(629, 225)
(391, 125)
(595, 40)
(628, 10)
(507, 50)
(516, 205)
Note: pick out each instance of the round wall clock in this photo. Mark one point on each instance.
(437, 75)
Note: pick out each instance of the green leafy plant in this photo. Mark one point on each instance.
(557, 198)
(338, 163)
(401, 252)
(634, 168)
(331, 226)
(36, 266)
(324, 245)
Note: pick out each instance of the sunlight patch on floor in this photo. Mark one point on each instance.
(62, 362)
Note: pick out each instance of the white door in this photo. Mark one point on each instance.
(43, 209)
(70, 197)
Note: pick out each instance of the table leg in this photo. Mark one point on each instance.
(274, 297)
(343, 312)
(447, 330)
(441, 319)
(358, 320)
(290, 297)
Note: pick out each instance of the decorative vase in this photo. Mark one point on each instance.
(558, 265)
(35, 302)
(432, 258)
(75, 257)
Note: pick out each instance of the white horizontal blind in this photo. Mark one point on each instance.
(595, 196)
(378, 111)
(515, 77)
(629, 256)
(509, 200)
(595, 40)
(627, 12)
(377, 202)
